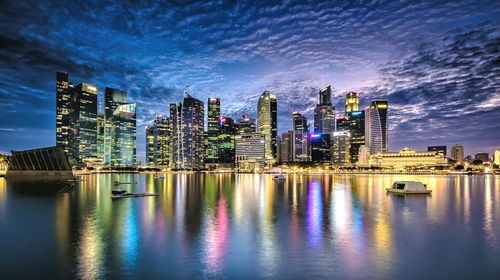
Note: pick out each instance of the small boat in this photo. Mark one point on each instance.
(279, 178)
(408, 187)
(125, 194)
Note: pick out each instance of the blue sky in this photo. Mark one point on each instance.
(436, 62)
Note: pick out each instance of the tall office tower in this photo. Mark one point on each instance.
(65, 106)
(177, 139)
(162, 140)
(324, 113)
(351, 102)
(496, 157)
(300, 139)
(320, 148)
(341, 147)
(123, 136)
(213, 113)
(363, 156)
(457, 153)
(286, 147)
(376, 133)
(356, 128)
(112, 99)
(101, 131)
(188, 133)
(246, 125)
(84, 123)
(225, 140)
(150, 146)
(438, 149)
(267, 109)
(250, 151)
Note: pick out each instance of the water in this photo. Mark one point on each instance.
(249, 226)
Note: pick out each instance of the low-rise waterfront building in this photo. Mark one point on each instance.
(250, 151)
(407, 159)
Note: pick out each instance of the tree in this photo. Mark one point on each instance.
(477, 162)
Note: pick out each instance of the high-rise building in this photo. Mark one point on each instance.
(150, 146)
(158, 142)
(356, 127)
(340, 148)
(246, 125)
(101, 133)
(351, 102)
(320, 148)
(457, 153)
(267, 109)
(213, 113)
(438, 149)
(324, 113)
(250, 151)
(65, 107)
(376, 132)
(363, 156)
(112, 99)
(300, 139)
(225, 140)
(188, 133)
(484, 157)
(123, 136)
(496, 157)
(286, 147)
(84, 123)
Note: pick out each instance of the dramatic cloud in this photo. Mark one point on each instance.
(436, 62)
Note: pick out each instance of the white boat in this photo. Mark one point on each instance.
(279, 177)
(408, 187)
(125, 194)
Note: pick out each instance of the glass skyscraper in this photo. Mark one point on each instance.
(267, 108)
(212, 154)
(376, 133)
(123, 136)
(300, 139)
(324, 113)
(188, 130)
(65, 106)
(84, 123)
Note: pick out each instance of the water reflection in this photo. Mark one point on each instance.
(248, 225)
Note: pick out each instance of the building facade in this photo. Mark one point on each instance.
(457, 153)
(213, 130)
(408, 159)
(122, 135)
(320, 148)
(438, 149)
(300, 138)
(496, 157)
(340, 148)
(363, 156)
(267, 108)
(286, 147)
(324, 113)
(351, 102)
(84, 124)
(376, 131)
(65, 107)
(250, 151)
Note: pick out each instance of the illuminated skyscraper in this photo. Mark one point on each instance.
(213, 113)
(150, 146)
(188, 130)
(246, 125)
(65, 106)
(351, 102)
(84, 123)
(376, 132)
(496, 157)
(324, 113)
(112, 99)
(341, 147)
(457, 153)
(123, 136)
(158, 142)
(101, 132)
(320, 148)
(300, 139)
(267, 109)
(363, 155)
(225, 141)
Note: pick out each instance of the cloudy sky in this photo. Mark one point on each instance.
(437, 62)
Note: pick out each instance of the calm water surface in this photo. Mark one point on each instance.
(249, 226)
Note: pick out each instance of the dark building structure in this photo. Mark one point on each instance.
(64, 109)
(227, 130)
(324, 113)
(438, 149)
(37, 164)
(213, 130)
(320, 148)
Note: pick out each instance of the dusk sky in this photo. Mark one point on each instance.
(437, 63)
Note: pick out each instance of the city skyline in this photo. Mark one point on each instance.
(430, 72)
